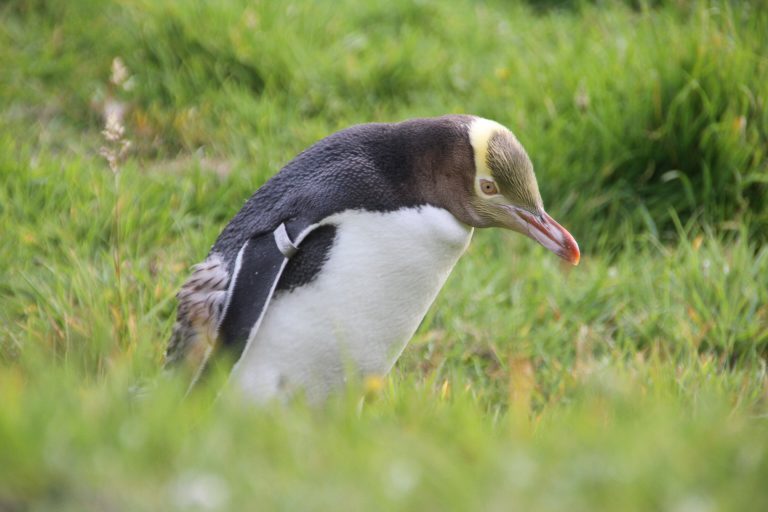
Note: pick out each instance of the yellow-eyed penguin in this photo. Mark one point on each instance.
(332, 264)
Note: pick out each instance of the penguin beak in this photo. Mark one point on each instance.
(543, 228)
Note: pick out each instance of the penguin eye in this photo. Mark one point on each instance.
(488, 187)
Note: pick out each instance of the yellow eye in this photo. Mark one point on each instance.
(488, 187)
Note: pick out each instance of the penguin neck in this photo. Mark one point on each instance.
(437, 153)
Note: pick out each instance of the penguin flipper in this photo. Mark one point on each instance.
(258, 268)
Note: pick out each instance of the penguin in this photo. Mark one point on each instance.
(332, 264)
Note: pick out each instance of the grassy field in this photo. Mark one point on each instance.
(635, 381)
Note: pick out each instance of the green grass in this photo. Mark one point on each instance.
(636, 381)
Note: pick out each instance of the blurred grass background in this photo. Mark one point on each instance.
(635, 381)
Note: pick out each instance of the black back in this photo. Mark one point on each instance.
(374, 167)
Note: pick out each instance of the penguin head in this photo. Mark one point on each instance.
(505, 192)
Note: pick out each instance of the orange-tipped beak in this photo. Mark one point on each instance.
(543, 228)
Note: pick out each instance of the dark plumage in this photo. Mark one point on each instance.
(377, 167)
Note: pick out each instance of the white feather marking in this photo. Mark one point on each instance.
(231, 287)
(255, 328)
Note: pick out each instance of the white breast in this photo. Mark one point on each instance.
(383, 272)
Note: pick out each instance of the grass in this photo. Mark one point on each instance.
(635, 381)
